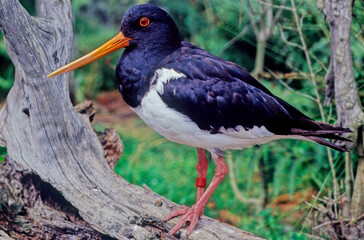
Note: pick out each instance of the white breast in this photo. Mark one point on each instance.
(179, 128)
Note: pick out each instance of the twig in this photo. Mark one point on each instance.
(318, 60)
(275, 6)
(342, 227)
(234, 40)
(348, 168)
(320, 208)
(240, 12)
(313, 206)
(257, 202)
(325, 224)
(299, 23)
(262, 172)
(267, 25)
(308, 59)
(251, 17)
(360, 217)
(289, 42)
(278, 15)
(291, 28)
(289, 88)
(313, 237)
(326, 199)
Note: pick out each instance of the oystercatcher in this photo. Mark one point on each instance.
(194, 98)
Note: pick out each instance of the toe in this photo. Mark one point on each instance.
(192, 215)
(178, 226)
(193, 223)
(181, 211)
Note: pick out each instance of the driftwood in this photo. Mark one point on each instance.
(54, 150)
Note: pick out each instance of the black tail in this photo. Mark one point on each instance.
(318, 131)
(329, 144)
(313, 130)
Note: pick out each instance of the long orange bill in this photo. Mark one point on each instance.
(117, 42)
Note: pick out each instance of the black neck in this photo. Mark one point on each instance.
(136, 68)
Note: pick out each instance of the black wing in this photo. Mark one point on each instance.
(216, 93)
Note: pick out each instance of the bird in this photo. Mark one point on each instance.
(192, 97)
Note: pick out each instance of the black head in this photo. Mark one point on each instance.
(150, 26)
(147, 32)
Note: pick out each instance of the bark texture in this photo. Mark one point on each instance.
(340, 77)
(46, 138)
(33, 209)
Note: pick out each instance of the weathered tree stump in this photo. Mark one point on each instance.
(55, 155)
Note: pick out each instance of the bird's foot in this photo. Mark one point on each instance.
(190, 215)
(180, 211)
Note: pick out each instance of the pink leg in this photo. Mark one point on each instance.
(195, 212)
(201, 166)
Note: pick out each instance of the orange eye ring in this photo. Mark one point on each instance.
(144, 21)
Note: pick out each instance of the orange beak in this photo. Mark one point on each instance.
(117, 42)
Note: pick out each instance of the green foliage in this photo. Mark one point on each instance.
(29, 5)
(7, 70)
(2, 153)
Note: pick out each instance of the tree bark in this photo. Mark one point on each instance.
(341, 85)
(47, 138)
(341, 73)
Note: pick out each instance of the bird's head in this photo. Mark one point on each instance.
(149, 26)
(144, 27)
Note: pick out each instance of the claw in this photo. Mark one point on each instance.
(191, 215)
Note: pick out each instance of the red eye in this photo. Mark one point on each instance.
(144, 22)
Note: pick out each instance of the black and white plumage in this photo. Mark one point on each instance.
(195, 98)
(192, 97)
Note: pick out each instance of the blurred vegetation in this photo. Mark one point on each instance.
(169, 169)
(7, 70)
(2, 153)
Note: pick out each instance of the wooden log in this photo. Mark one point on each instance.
(47, 138)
